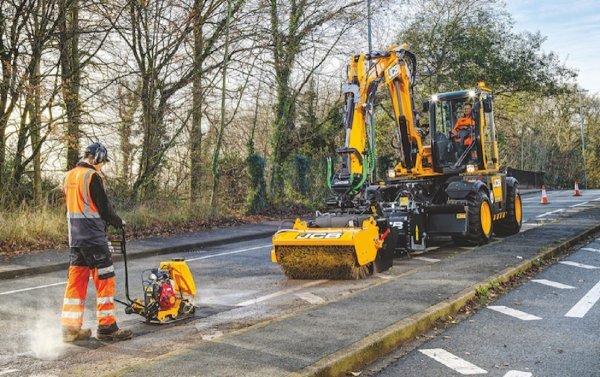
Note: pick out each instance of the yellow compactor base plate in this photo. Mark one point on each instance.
(320, 262)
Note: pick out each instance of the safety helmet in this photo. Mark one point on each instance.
(98, 151)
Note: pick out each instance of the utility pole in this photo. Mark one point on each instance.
(582, 139)
(372, 126)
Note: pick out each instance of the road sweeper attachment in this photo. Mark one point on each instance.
(327, 253)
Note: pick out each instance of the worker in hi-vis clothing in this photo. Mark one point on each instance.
(466, 123)
(88, 211)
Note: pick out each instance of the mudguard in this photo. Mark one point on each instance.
(459, 190)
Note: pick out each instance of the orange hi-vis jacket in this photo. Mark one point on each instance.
(86, 227)
(463, 122)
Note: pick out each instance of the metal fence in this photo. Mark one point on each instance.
(527, 179)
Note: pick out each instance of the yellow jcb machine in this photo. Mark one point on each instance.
(446, 181)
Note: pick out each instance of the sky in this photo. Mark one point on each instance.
(572, 29)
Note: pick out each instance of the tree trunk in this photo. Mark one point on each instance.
(196, 166)
(71, 76)
(215, 160)
(283, 125)
(250, 144)
(36, 125)
(146, 184)
(128, 104)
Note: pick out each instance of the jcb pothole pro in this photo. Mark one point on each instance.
(445, 180)
(167, 289)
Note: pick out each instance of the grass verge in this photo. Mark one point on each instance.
(26, 229)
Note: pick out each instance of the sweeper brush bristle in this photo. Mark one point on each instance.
(320, 262)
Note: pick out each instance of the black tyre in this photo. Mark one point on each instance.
(511, 224)
(479, 228)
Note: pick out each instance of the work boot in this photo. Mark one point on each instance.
(113, 332)
(72, 334)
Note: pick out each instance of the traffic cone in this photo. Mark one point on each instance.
(577, 192)
(544, 196)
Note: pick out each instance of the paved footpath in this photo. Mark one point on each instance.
(325, 339)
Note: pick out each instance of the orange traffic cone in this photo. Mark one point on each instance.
(577, 192)
(544, 196)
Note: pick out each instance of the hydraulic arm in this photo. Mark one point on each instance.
(396, 69)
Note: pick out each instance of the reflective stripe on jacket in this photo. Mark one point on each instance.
(86, 227)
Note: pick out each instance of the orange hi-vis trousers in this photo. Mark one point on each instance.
(76, 293)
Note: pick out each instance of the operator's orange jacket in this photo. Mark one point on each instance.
(463, 122)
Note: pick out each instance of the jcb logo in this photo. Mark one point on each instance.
(398, 224)
(319, 236)
(393, 71)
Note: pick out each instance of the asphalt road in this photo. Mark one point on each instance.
(548, 327)
(238, 286)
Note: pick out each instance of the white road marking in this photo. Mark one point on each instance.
(228, 253)
(551, 212)
(595, 200)
(7, 371)
(425, 259)
(580, 265)
(590, 249)
(453, 362)
(579, 204)
(515, 313)
(531, 225)
(586, 303)
(551, 283)
(517, 373)
(32, 288)
(384, 277)
(280, 293)
(310, 298)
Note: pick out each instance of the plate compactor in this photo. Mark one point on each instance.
(167, 289)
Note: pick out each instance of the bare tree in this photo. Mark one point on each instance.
(292, 28)
(70, 75)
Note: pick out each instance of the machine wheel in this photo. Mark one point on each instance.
(479, 230)
(511, 224)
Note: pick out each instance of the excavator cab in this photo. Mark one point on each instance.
(462, 138)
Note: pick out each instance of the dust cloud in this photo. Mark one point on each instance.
(44, 336)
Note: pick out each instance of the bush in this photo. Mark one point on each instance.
(256, 196)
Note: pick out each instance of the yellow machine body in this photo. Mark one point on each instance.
(181, 275)
(326, 252)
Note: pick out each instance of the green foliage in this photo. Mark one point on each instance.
(461, 42)
(383, 164)
(482, 293)
(256, 195)
(302, 166)
(494, 284)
